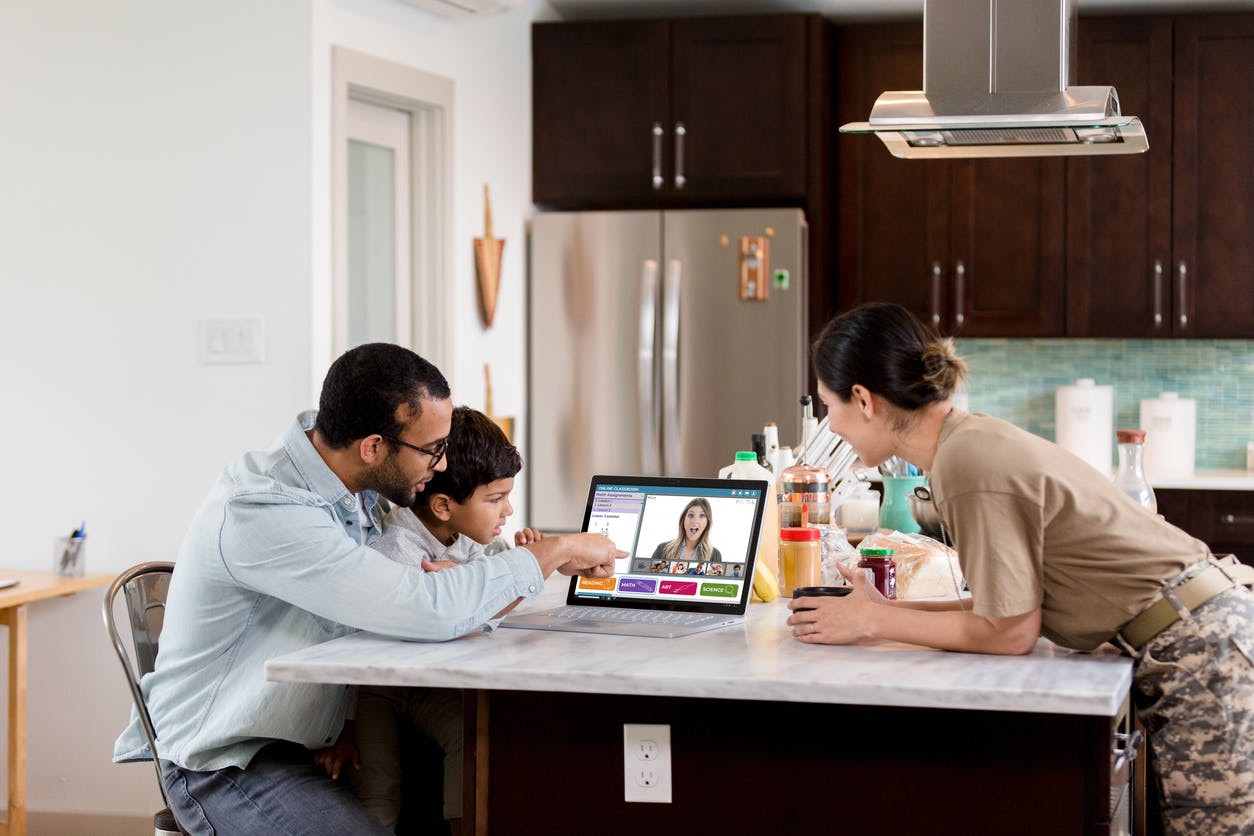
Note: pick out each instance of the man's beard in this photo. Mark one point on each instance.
(388, 481)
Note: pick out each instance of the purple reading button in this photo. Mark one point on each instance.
(678, 588)
(637, 585)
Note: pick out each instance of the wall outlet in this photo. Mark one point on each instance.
(646, 763)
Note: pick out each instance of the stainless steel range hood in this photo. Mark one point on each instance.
(997, 83)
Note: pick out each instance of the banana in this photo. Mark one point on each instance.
(765, 585)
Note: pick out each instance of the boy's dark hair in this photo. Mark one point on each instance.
(478, 453)
(364, 387)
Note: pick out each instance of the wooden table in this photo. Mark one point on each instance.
(31, 587)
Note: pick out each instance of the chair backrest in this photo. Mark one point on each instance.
(145, 587)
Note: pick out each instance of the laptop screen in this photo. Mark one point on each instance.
(690, 543)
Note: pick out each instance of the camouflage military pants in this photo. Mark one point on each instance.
(1194, 691)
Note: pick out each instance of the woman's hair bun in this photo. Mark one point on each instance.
(942, 367)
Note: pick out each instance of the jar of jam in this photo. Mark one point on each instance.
(883, 570)
(800, 560)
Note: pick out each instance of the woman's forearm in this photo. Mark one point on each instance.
(954, 630)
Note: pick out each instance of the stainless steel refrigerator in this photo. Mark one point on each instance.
(658, 342)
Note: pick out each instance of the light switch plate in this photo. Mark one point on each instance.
(647, 763)
(240, 339)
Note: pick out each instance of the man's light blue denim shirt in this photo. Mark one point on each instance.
(272, 563)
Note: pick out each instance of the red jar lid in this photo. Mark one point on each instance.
(799, 534)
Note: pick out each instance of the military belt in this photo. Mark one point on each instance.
(1220, 576)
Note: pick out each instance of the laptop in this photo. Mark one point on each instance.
(690, 546)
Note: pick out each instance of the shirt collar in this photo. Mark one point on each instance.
(952, 420)
(317, 475)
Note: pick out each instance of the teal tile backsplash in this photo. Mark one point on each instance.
(1016, 379)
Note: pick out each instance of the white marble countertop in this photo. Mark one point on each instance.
(758, 660)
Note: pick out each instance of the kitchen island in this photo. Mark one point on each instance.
(765, 731)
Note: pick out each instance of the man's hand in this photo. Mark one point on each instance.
(334, 758)
(526, 537)
(589, 555)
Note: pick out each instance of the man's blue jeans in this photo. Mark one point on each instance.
(281, 792)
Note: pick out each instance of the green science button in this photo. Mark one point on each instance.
(721, 590)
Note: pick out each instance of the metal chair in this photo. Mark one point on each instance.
(145, 586)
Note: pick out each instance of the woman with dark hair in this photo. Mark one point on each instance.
(692, 544)
(1048, 546)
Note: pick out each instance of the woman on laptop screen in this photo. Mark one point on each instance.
(693, 542)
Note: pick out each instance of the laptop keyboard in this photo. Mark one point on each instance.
(635, 616)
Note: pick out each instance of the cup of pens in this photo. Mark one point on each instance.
(69, 555)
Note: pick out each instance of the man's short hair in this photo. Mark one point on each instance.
(365, 386)
(478, 453)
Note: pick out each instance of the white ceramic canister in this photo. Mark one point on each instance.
(1084, 418)
(1170, 424)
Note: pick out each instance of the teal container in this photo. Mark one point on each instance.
(895, 511)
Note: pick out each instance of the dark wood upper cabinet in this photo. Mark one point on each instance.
(1213, 176)
(598, 91)
(695, 111)
(1119, 269)
(973, 247)
(1159, 244)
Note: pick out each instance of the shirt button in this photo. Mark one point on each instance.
(348, 502)
(531, 588)
(328, 740)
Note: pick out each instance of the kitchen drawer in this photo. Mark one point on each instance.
(1225, 520)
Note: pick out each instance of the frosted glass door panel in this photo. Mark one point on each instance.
(371, 243)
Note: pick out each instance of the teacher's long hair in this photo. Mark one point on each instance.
(703, 550)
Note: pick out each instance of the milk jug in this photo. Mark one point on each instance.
(746, 467)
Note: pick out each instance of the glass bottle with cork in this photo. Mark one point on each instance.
(1130, 477)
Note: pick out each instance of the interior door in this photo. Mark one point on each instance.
(591, 341)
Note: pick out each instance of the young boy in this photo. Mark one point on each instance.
(456, 519)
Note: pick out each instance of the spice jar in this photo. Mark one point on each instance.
(800, 562)
(800, 484)
(883, 570)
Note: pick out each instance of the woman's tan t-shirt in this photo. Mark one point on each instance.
(1035, 526)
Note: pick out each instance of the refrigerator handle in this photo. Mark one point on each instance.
(646, 374)
(670, 365)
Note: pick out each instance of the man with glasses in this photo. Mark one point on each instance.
(278, 558)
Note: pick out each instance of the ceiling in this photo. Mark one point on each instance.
(848, 10)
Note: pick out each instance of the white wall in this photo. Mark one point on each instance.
(159, 162)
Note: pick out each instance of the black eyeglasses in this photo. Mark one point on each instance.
(435, 453)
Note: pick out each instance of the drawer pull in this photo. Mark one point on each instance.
(1131, 748)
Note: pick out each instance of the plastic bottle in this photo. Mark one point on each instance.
(1130, 477)
(746, 467)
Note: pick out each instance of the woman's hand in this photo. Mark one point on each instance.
(334, 758)
(526, 537)
(836, 620)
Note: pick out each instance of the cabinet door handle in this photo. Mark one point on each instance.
(658, 180)
(680, 133)
(1236, 519)
(1158, 292)
(960, 280)
(937, 273)
(1182, 272)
